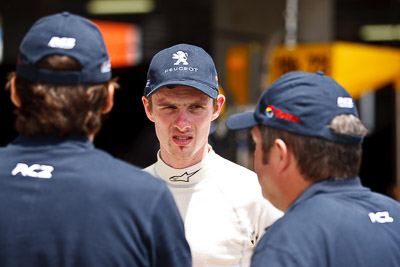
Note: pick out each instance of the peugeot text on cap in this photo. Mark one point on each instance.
(302, 103)
(64, 34)
(183, 64)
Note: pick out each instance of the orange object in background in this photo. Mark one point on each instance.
(359, 68)
(123, 42)
(237, 75)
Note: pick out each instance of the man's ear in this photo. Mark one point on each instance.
(13, 93)
(218, 106)
(283, 154)
(110, 98)
(146, 105)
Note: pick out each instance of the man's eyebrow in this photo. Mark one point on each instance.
(165, 103)
(201, 103)
(161, 101)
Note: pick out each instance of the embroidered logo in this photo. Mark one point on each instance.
(34, 171)
(183, 178)
(345, 102)
(272, 111)
(62, 42)
(105, 67)
(380, 217)
(181, 57)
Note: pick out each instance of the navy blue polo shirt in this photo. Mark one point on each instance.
(334, 223)
(65, 203)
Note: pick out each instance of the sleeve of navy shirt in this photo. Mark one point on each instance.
(269, 253)
(171, 246)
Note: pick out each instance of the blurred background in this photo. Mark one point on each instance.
(253, 42)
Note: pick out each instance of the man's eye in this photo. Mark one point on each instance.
(169, 107)
(196, 106)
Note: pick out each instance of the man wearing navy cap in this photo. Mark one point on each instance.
(220, 202)
(308, 140)
(64, 202)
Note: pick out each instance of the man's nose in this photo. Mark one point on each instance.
(182, 122)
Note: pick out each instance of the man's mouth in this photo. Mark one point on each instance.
(182, 138)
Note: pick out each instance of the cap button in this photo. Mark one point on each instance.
(65, 13)
(320, 73)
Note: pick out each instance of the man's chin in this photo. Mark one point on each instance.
(182, 152)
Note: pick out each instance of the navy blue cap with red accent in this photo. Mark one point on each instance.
(303, 103)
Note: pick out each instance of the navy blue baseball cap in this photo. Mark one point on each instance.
(64, 34)
(302, 103)
(183, 64)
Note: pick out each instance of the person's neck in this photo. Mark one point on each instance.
(296, 185)
(179, 163)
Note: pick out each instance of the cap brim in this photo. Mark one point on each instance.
(241, 121)
(211, 92)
